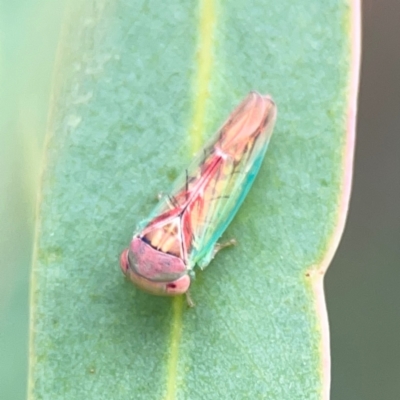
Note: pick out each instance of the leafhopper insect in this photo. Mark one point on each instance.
(182, 231)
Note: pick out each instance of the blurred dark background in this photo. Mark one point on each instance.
(363, 282)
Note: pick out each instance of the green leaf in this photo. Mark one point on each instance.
(138, 87)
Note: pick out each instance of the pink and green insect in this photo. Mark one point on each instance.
(182, 231)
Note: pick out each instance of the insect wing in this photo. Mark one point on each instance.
(235, 156)
(188, 222)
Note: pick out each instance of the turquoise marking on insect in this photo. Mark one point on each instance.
(182, 231)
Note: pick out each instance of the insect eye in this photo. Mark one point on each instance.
(123, 261)
(171, 286)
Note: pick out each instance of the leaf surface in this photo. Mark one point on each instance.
(138, 88)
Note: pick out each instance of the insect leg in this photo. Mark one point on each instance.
(189, 300)
(202, 263)
(220, 246)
